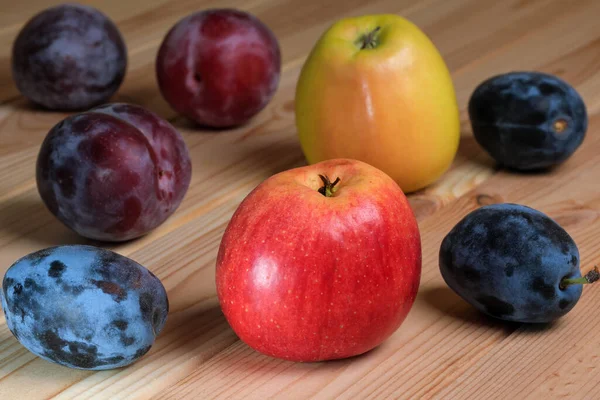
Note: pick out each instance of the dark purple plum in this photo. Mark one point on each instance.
(69, 57)
(512, 262)
(113, 173)
(528, 120)
(84, 307)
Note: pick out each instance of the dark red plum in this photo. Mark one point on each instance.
(84, 307)
(219, 67)
(528, 120)
(512, 262)
(113, 173)
(69, 57)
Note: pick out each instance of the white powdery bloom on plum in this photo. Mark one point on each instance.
(69, 57)
(84, 307)
(113, 173)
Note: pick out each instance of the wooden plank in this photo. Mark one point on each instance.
(445, 349)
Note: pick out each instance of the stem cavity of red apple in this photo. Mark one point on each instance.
(328, 188)
(369, 40)
(591, 276)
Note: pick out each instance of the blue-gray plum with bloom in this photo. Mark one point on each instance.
(84, 307)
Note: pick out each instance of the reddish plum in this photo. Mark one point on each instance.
(219, 67)
(113, 173)
(69, 57)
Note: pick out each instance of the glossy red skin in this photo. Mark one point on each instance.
(113, 173)
(305, 277)
(219, 67)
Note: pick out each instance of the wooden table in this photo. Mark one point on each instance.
(444, 349)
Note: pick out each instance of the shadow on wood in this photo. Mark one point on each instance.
(8, 90)
(469, 149)
(238, 366)
(26, 216)
(450, 304)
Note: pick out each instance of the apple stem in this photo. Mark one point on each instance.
(328, 188)
(369, 41)
(591, 276)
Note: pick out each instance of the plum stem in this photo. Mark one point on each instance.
(560, 125)
(591, 276)
(328, 188)
(369, 40)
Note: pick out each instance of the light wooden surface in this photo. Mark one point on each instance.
(444, 349)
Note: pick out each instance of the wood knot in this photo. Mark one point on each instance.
(424, 205)
(487, 199)
(577, 217)
(289, 106)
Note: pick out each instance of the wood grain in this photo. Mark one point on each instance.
(444, 349)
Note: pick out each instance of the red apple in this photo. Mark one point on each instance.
(312, 269)
(219, 67)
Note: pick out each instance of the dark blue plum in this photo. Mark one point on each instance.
(69, 57)
(528, 120)
(508, 261)
(83, 307)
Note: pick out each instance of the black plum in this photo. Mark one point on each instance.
(69, 57)
(83, 307)
(512, 262)
(528, 120)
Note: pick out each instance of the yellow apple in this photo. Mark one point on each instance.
(376, 89)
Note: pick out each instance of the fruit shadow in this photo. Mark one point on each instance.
(469, 150)
(236, 358)
(184, 123)
(27, 218)
(22, 104)
(532, 172)
(443, 299)
(8, 90)
(206, 335)
(24, 364)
